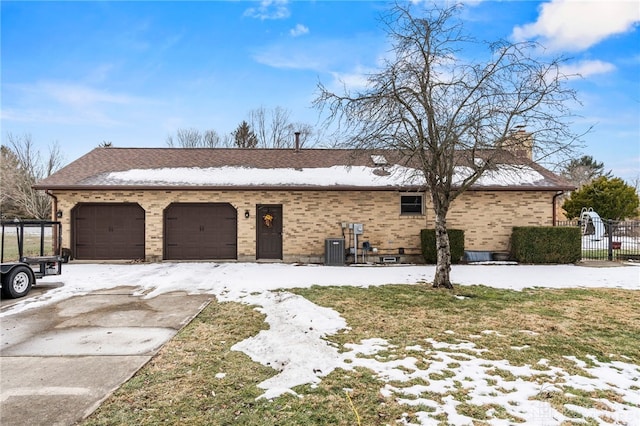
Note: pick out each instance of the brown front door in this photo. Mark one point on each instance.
(269, 231)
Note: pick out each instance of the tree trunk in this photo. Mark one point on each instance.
(443, 250)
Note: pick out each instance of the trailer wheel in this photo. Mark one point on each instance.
(17, 282)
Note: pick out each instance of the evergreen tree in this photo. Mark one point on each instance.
(611, 198)
(244, 137)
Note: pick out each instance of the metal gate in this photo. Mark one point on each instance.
(604, 239)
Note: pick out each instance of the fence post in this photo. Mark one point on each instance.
(609, 228)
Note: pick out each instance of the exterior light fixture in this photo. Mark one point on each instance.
(246, 214)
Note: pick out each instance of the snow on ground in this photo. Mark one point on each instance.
(294, 344)
(590, 242)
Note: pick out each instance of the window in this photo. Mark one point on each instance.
(411, 204)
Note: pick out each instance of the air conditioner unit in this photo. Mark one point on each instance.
(334, 252)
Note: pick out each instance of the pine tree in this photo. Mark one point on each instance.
(610, 198)
(244, 137)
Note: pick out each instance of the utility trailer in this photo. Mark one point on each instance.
(32, 249)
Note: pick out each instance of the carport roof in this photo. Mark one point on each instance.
(236, 168)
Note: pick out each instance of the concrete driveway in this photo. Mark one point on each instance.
(59, 362)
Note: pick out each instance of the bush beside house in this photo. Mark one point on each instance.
(546, 244)
(428, 244)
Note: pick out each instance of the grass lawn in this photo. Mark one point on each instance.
(30, 245)
(603, 254)
(197, 379)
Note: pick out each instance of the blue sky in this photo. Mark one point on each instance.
(132, 73)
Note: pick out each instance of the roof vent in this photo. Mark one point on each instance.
(297, 134)
(379, 160)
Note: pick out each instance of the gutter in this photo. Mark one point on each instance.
(408, 188)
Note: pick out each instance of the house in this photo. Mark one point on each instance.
(277, 204)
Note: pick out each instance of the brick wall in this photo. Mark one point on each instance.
(487, 217)
(312, 216)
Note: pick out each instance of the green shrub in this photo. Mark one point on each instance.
(428, 244)
(546, 244)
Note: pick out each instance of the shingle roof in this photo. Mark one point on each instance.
(95, 170)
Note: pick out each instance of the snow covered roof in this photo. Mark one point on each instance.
(234, 168)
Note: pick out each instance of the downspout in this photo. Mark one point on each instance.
(553, 215)
(56, 238)
(54, 207)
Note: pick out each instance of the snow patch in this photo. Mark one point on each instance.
(394, 175)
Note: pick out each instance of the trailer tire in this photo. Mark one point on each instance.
(17, 282)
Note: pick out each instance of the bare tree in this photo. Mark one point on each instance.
(25, 168)
(275, 130)
(584, 170)
(280, 128)
(211, 139)
(194, 138)
(306, 133)
(10, 172)
(258, 121)
(454, 118)
(186, 138)
(271, 129)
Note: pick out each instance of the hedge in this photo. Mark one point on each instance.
(546, 244)
(428, 244)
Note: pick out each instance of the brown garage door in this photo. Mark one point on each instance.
(105, 231)
(200, 231)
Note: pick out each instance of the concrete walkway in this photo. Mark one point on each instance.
(59, 362)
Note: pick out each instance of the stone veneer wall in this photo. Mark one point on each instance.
(312, 216)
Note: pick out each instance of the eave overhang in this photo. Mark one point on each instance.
(287, 188)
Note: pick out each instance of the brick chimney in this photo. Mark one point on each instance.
(520, 143)
(297, 141)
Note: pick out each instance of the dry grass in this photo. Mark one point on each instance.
(30, 245)
(179, 386)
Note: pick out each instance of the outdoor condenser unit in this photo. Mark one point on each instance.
(334, 252)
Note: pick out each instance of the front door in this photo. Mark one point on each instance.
(269, 231)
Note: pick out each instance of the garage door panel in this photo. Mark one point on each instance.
(205, 231)
(108, 231)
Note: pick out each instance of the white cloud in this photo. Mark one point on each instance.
(587, 68)
(291, 57)
(79, 95)
(67, 103)
(304, 53)
(356, 80)
(299, 30)
(577, 25)
(269, 9)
